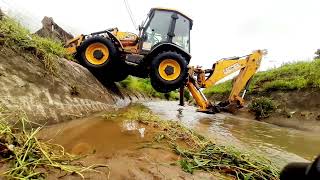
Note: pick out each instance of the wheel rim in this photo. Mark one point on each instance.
(97, 53)
(169, 69)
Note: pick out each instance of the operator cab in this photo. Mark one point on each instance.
(165, 26)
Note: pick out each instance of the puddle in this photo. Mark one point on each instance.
(96, 135)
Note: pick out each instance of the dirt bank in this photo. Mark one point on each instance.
(73, 92)
(298, 109)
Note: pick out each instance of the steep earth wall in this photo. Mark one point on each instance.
(25, 85)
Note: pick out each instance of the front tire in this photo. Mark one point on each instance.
(169, 71)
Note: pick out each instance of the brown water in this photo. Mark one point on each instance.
(281, 144)
(125, 146)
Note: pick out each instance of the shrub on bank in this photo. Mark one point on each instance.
(262, 107)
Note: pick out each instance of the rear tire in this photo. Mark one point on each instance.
(169, 71)
(106, 66)
(97, 52)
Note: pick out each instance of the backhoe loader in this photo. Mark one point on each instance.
(160, 51)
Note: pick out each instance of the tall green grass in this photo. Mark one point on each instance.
(290, 76)
(144, 86)
(14, 36)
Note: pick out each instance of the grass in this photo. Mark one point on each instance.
(15, 36)
(222, 88)
(28, 157)
(144, 86)
(290, 76)
(199, 153)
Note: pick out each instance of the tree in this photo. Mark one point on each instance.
(317, 53)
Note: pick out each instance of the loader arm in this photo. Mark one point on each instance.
(247, 67)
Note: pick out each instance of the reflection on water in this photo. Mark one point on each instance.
(276, 142)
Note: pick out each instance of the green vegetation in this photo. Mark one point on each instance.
(222, 88)
(144, 86)
(199, 153)
(30, 158)
(262, 107)
(291, 76)
(14, 36)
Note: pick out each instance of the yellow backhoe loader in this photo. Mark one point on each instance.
(161, 52)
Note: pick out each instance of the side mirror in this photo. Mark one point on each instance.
(141, 26)
(145, 37)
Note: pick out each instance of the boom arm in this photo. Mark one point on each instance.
(248, 66)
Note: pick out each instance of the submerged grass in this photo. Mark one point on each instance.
(27, 157)
(15, 36)
(291, 76)
(199, 153)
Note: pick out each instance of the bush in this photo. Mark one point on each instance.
(262, 107)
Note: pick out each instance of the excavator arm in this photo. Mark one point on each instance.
(200, 78)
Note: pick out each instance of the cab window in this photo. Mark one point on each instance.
(182, 33)
(157, 29)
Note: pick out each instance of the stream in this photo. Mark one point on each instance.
(281, 145)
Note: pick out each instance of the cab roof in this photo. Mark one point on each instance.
(171, 10)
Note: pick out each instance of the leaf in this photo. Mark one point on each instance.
(201, 162)
(247, 176)
(186, 166)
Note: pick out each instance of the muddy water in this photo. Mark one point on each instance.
(122, 144)
(281, 144)
(92, 135)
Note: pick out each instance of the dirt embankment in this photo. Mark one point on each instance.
(73, 92)
(298, 109)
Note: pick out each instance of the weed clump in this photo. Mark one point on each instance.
(29, 158)
(262, 107)
(228, 161)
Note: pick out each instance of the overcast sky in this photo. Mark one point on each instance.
(289, 29)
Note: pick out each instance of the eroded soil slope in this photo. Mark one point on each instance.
(71, 92)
